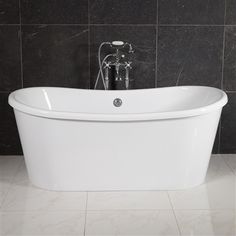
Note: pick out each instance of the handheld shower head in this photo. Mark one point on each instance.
(121, 44)
(117, 44)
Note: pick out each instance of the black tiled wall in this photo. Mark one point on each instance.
(176, 42)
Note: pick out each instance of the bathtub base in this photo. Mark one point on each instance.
(94, 156)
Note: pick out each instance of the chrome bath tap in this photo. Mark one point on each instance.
(118, 62)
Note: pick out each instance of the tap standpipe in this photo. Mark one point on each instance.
(106, 77)
(127, 69)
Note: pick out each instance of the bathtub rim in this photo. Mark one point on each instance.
(123, 117)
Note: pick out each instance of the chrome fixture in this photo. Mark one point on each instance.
(119, 62)
(117, 102)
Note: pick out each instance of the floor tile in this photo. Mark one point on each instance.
(209, 209)
(161, 222)
(4, 188)
(42, 223)
(21, 178)
(217, 168)
(22, 196)
(128, 200)
(33, 199)
(203, 222)
(219, 191)
(9, 166)
(230, 160)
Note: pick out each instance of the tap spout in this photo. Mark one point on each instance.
(117, 75)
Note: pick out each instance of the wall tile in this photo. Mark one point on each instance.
(228, 126)
(230, 12)
(9, 138)
(230, 59)
(54, 12)
(189, 56)
(143, 40)
(209, 12)
(9, 12)
(55, 56)
(123, 12)
(58, 55)
(10, 66)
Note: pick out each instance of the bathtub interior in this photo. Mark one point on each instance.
(134, 101)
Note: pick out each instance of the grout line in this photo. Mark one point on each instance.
(116, 210)
(85, 221)
(219, 138)
(223, 52)
(157, 34)
(227, 164)
(9, 24)
(148, 25)
(21, 56)
(10, 186)
(233, 25)
(222, 78)
(172, 207)
(89, 34)
(190, 25)
(130, 209)
(173, 210)
(24, 24)
(183, 25)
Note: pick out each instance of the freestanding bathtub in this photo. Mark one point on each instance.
(157, 139)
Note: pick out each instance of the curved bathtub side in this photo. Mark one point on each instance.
(76, 155)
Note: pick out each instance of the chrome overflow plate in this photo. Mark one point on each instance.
(117, 102)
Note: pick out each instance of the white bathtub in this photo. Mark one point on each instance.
(158, 139)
